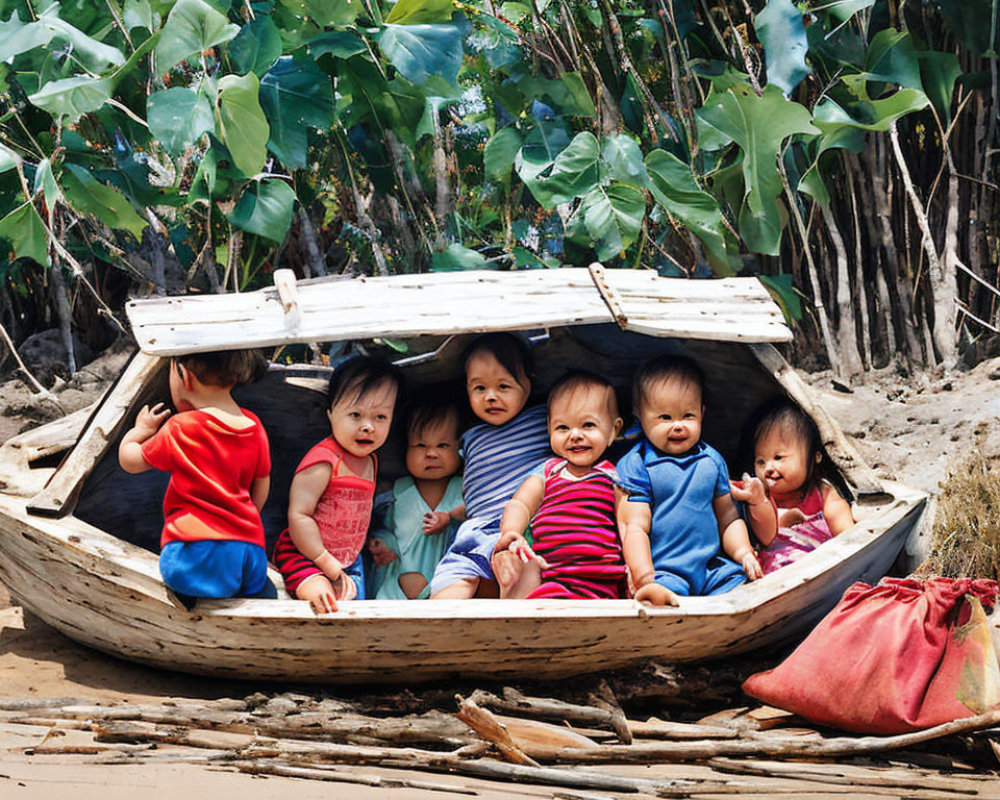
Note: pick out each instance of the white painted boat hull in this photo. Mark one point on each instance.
(108, 594)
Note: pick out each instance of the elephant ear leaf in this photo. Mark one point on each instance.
(88, 195)
(673, 186)
(23, 228)
(757, 125)
(782, 32)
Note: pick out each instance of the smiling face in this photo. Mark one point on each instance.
(583, 422)
(360, 422)
(671, 413)
(495, 395)
(432, 451)
(782, 461)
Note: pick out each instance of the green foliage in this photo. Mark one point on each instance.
(428, 134)
(783, 34)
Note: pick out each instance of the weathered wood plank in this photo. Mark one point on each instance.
(475, 301)
(99, 435)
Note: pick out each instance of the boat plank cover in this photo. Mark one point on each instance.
(326, 310)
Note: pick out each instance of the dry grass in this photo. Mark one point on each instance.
(966, 536)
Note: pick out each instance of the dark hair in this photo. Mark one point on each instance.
(361, 374)
(663, 368)
(428, 408)
(577, 379)
(781, 414)
(511, 351)
(225, 368)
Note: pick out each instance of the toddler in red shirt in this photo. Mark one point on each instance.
(219, 462)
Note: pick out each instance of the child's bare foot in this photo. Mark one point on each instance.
(656, 595)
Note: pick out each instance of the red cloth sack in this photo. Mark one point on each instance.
(892, 658)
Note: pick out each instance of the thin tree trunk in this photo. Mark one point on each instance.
(824, 322)
(317, 266)
(859, 275)
(877, 170)
(64, 312)
(942, 279)
(846, 330)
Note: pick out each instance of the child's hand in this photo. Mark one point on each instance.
(753, 492)
(507, 569)
(381, 553)
(656, 595)
(319, 592)
(435, 522)
(149, 420)
(751, 566)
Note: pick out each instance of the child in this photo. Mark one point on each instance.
(330, 499)
(678, 509)
(569, 501)
(787, 462)
(408, 541)
(219, 462)
(499, 455)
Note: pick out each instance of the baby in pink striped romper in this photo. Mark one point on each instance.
(569, 502)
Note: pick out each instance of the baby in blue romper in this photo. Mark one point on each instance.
(679, 523)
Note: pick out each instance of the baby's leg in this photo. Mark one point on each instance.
(412, 583)
(462, 589)
(515, 578)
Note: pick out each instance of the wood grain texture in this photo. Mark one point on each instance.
(730, 309)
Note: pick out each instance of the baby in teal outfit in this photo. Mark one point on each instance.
(411, 523)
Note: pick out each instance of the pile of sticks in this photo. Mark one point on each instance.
(505, 736)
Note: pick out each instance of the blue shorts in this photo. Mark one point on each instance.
(721, 575)
(216, 568)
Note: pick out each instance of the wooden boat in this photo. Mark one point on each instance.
(78, 536)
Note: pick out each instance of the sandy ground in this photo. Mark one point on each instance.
(911, 429)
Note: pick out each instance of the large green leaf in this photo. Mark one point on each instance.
(869, 115)
(8, 158)
(417, 12)
(500, 152)
(892, 57)
(340, 44)
(24, 229)
(18, 37)
(782, 289)
(613, 217)
(326, 12)
(45, 182)
(674, 187)
(91, 53)
(295, 94)
(623, 159)
(256, 47)
(89, 196)
(783, 34)
(178, 117)
(265, 209)
(137, 14)
(457, 257)
(422, 51)
(843, 10)
(73, 97)
(758, 125)
(242, 125)
(573, 172)
(938, 73)
(191, 27)
(568, 94)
